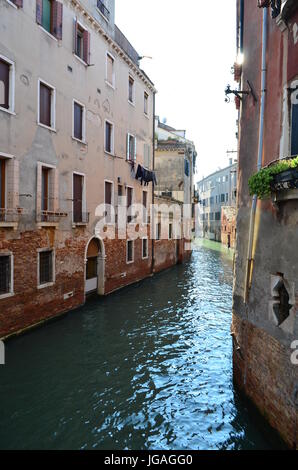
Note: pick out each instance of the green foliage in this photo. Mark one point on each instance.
(260, 182)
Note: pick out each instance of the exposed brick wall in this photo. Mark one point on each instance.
(31, 305)
(263, 370)
(118, 273)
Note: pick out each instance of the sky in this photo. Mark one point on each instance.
(193, 47)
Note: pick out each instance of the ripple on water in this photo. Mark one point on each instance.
(146, 368)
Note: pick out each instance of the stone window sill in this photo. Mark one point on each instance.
(9, 225)
(47, 225)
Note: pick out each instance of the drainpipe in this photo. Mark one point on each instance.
(153, 168)
(249, 265)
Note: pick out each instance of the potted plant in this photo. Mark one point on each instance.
(279, 176)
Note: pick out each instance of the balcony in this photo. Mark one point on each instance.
(9, 218)
(103, 9)
(49, 218)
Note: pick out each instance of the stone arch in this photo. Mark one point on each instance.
(95, 266)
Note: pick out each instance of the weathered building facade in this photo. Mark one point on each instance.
(76, 120)
(215, 192)
(175, 163)
(265, 305)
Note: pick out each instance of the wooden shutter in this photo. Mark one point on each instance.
(294, 138)
(77, 198)
(39, 11)
(45, 105)
(4, 84)
(86, 47)
(57, 19)
(75, 35)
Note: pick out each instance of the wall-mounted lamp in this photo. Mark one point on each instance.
(240, 93)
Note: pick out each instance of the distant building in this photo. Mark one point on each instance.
(175, 163)
(215, 192)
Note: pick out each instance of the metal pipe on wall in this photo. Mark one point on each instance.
(249, 265)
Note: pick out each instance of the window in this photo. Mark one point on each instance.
(6, 274)
(109, 137)
(109, 200)
(222, 198)
(2, 188)
(186, 167)
(49, 15)
(129, 251)
(110, 70)
(146, 101)
(78, 196)
(131, 148)
(170, 231)
(217, 215)
(158, 231)
(7, 77)
(145, 194)
(129, 202)
(46, 114)
(103, 9)
(78, 121)
(145, 248)
(46, 271)
(45, 202)
(131, 91)
(227, 197)
(81, 42)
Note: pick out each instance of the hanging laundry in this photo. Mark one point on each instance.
(145, 175)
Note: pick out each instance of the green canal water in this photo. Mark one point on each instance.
(146, 368)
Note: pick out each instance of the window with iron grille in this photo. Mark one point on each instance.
(5, 274)
(45, 267)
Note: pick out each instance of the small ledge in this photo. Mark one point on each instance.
(6, 296)
(48, 34)
(52, 129)
(286, 195)
(44, 286)
(12, 4)
(9, 225)
(41, 225)
(80, 60)
(109, 84)
(78, 141)
(8, 111)
(79, 224)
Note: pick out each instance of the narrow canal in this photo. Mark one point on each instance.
(146, 368)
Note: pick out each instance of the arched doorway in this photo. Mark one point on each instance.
(95, 269)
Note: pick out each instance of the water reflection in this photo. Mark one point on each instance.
(148, 367)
